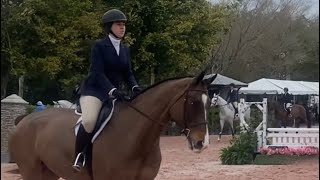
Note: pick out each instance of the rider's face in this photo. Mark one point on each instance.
(119, 29)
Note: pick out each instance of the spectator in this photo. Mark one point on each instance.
(40, 107)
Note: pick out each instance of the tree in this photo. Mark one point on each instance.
(170, 38)
(50, 40)
(307, 67)
(263, 40)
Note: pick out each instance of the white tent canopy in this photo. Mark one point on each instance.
(225, 81)
(273, 86)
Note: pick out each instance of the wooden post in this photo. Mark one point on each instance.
(264, 121)
(21, 82)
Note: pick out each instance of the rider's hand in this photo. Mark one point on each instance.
(119, 95)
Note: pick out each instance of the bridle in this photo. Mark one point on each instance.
(187, 124)
(215, 102)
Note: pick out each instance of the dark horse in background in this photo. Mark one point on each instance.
(313, 113)
(298, 112)
(42, 143)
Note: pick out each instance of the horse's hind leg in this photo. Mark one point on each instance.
(36, 171)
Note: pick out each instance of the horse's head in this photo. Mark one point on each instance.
(190, 112)
(214, 100)
(56, 104)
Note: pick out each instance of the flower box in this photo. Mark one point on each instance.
(284, 155)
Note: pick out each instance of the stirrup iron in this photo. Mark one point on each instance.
(75, 165)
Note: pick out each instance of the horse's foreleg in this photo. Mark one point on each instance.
(221, 128)
(285, 122)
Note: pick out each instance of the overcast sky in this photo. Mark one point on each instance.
(313, 11)
(315, 7)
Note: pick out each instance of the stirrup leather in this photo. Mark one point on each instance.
(77, 159)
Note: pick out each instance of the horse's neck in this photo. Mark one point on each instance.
(155, 104)
(224, 106)
(222, 101)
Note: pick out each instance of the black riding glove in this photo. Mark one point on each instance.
(136, 91)
(120, 95)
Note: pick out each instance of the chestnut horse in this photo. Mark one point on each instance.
(298, 113)
(127, 148)
(19, 118)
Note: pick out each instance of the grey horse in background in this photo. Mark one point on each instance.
(227, 113)
(64, 104)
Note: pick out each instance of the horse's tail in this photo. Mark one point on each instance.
(19, 118)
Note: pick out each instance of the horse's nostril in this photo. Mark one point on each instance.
(199, 145)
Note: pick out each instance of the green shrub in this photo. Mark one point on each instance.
(242, 149)
(255, 117)
(214, 120)
(264, 159)
(30, 109)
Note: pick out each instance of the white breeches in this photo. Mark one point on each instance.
(90, 107)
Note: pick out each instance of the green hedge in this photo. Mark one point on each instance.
(264, 159)
(31, 108)
(241, 151)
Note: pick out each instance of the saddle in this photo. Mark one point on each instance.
(104, 116)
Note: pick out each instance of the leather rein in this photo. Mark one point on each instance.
(187, 125)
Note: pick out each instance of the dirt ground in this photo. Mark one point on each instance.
(179, 163)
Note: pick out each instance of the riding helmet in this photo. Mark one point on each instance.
(113, 15)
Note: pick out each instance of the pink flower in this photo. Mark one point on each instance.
(290, 151)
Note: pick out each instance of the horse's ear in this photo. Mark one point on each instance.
(200, 77)
(208, 81)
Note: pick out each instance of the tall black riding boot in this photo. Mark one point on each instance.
(236, 114)
(82, 140)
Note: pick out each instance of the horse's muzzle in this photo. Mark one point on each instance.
(197, 146)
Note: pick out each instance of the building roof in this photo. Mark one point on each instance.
(13, 98)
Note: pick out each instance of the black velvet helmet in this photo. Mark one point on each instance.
(114, 15)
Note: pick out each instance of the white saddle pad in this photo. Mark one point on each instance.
(76, 129)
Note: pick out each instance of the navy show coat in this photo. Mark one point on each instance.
(108, 70)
